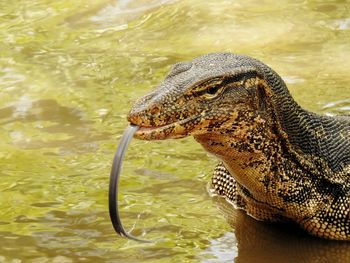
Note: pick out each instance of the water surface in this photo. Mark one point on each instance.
(70, 70)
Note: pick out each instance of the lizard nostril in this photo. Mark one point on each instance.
(155, 110)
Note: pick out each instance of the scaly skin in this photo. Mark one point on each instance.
(278, 162)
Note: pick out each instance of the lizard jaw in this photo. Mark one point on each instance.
(174, 130)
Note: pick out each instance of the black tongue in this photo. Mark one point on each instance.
(114, 183)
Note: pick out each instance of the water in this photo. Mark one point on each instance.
(70, 70)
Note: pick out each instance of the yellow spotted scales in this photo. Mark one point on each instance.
(278, 162)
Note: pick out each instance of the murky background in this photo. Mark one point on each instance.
(70, 71)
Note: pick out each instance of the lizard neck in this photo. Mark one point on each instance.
(251, 151)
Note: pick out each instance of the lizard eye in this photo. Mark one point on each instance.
(211, 90)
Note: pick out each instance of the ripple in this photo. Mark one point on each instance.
(337, 24)
(46, 204)
(342, 24)
(9, 77)
(222, 249)
(339, 107)
(117, 16)
(293, 79)
(336, 103)
(125, 7)
(22, 107)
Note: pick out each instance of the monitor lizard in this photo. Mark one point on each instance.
(278, 161)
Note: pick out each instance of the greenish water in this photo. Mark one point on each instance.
(70, 71)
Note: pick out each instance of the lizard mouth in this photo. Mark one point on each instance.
(173, 130)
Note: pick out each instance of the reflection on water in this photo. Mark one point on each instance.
(69, 73)
(262, 242)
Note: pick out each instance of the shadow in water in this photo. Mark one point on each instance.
(46, 123)
(263, 242)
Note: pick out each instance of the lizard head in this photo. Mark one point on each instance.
(203, 96)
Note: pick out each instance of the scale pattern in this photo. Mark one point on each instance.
(278, 162)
